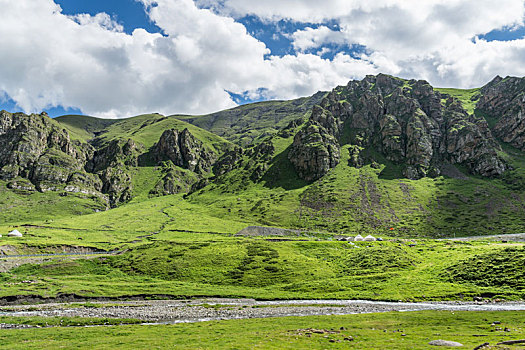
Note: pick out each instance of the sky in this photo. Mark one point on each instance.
(120, 58)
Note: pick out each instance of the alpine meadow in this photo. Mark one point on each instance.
(382, 213)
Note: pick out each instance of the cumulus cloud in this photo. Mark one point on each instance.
(308, 38)
(434, 40)
(89, 62)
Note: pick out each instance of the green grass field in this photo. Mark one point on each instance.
(395, 330)
(199, 264)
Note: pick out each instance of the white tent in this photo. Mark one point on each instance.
(358, 238)
(14, 233)
(370, 238)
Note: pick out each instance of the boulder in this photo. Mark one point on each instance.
(440, 342)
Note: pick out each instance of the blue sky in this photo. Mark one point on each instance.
(126, 57)
(128, 13)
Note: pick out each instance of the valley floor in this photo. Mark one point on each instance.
(216, 309)
(387, 330)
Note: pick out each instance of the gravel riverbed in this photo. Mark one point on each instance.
(177, 311)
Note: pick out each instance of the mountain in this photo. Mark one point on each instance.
(375, 154)
(102, 162)
(408, 122)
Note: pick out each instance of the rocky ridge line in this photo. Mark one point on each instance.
(37, 154)
(409, 122)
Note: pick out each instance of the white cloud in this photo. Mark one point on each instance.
(419, 39)
(309, 38)
(89, 62)
(99, 20)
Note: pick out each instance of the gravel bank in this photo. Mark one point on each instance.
(177, 311)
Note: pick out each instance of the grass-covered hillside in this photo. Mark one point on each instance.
(375, 198)
(83, 127)
(174, 224)
(77, 191)
(250, 123)
(260, 186)
(183, 264)
(145, 129)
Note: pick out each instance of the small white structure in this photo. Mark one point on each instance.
(370, 238)
(349, 239)
(14, 233)
(358, 238)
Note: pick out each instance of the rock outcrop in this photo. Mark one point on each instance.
(36, 154)
(503, 100)
(184, 150)
(255, 160)
(111, 164)
(35, 148)
(407, 121)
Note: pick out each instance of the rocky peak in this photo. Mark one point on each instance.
(114, 154)
(184, 150)
(27, 141)
(503, 100)
(407, 121)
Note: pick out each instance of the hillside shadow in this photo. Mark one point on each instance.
(147, 159)
(391, 170)
(281, 173)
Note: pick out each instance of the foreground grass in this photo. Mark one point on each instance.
(394, 330)
(66, 321)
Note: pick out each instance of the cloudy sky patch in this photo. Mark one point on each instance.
(121, 58)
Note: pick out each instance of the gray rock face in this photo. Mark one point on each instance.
(33, 147)
(255, 159)
(407, 121)
(184, 150)
(228, 161)
(114, 154)
(504, 101)
(36, 154)
(111, 164)
(314, 152)
(174, 180)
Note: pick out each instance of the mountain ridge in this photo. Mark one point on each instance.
(390, 142)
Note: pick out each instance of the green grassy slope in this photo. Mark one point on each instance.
(145, 129)
(372, 199)
(468, 97)
(249, 123)
(82, 127)
(27, 207)
(194, 264)
(23, 206)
